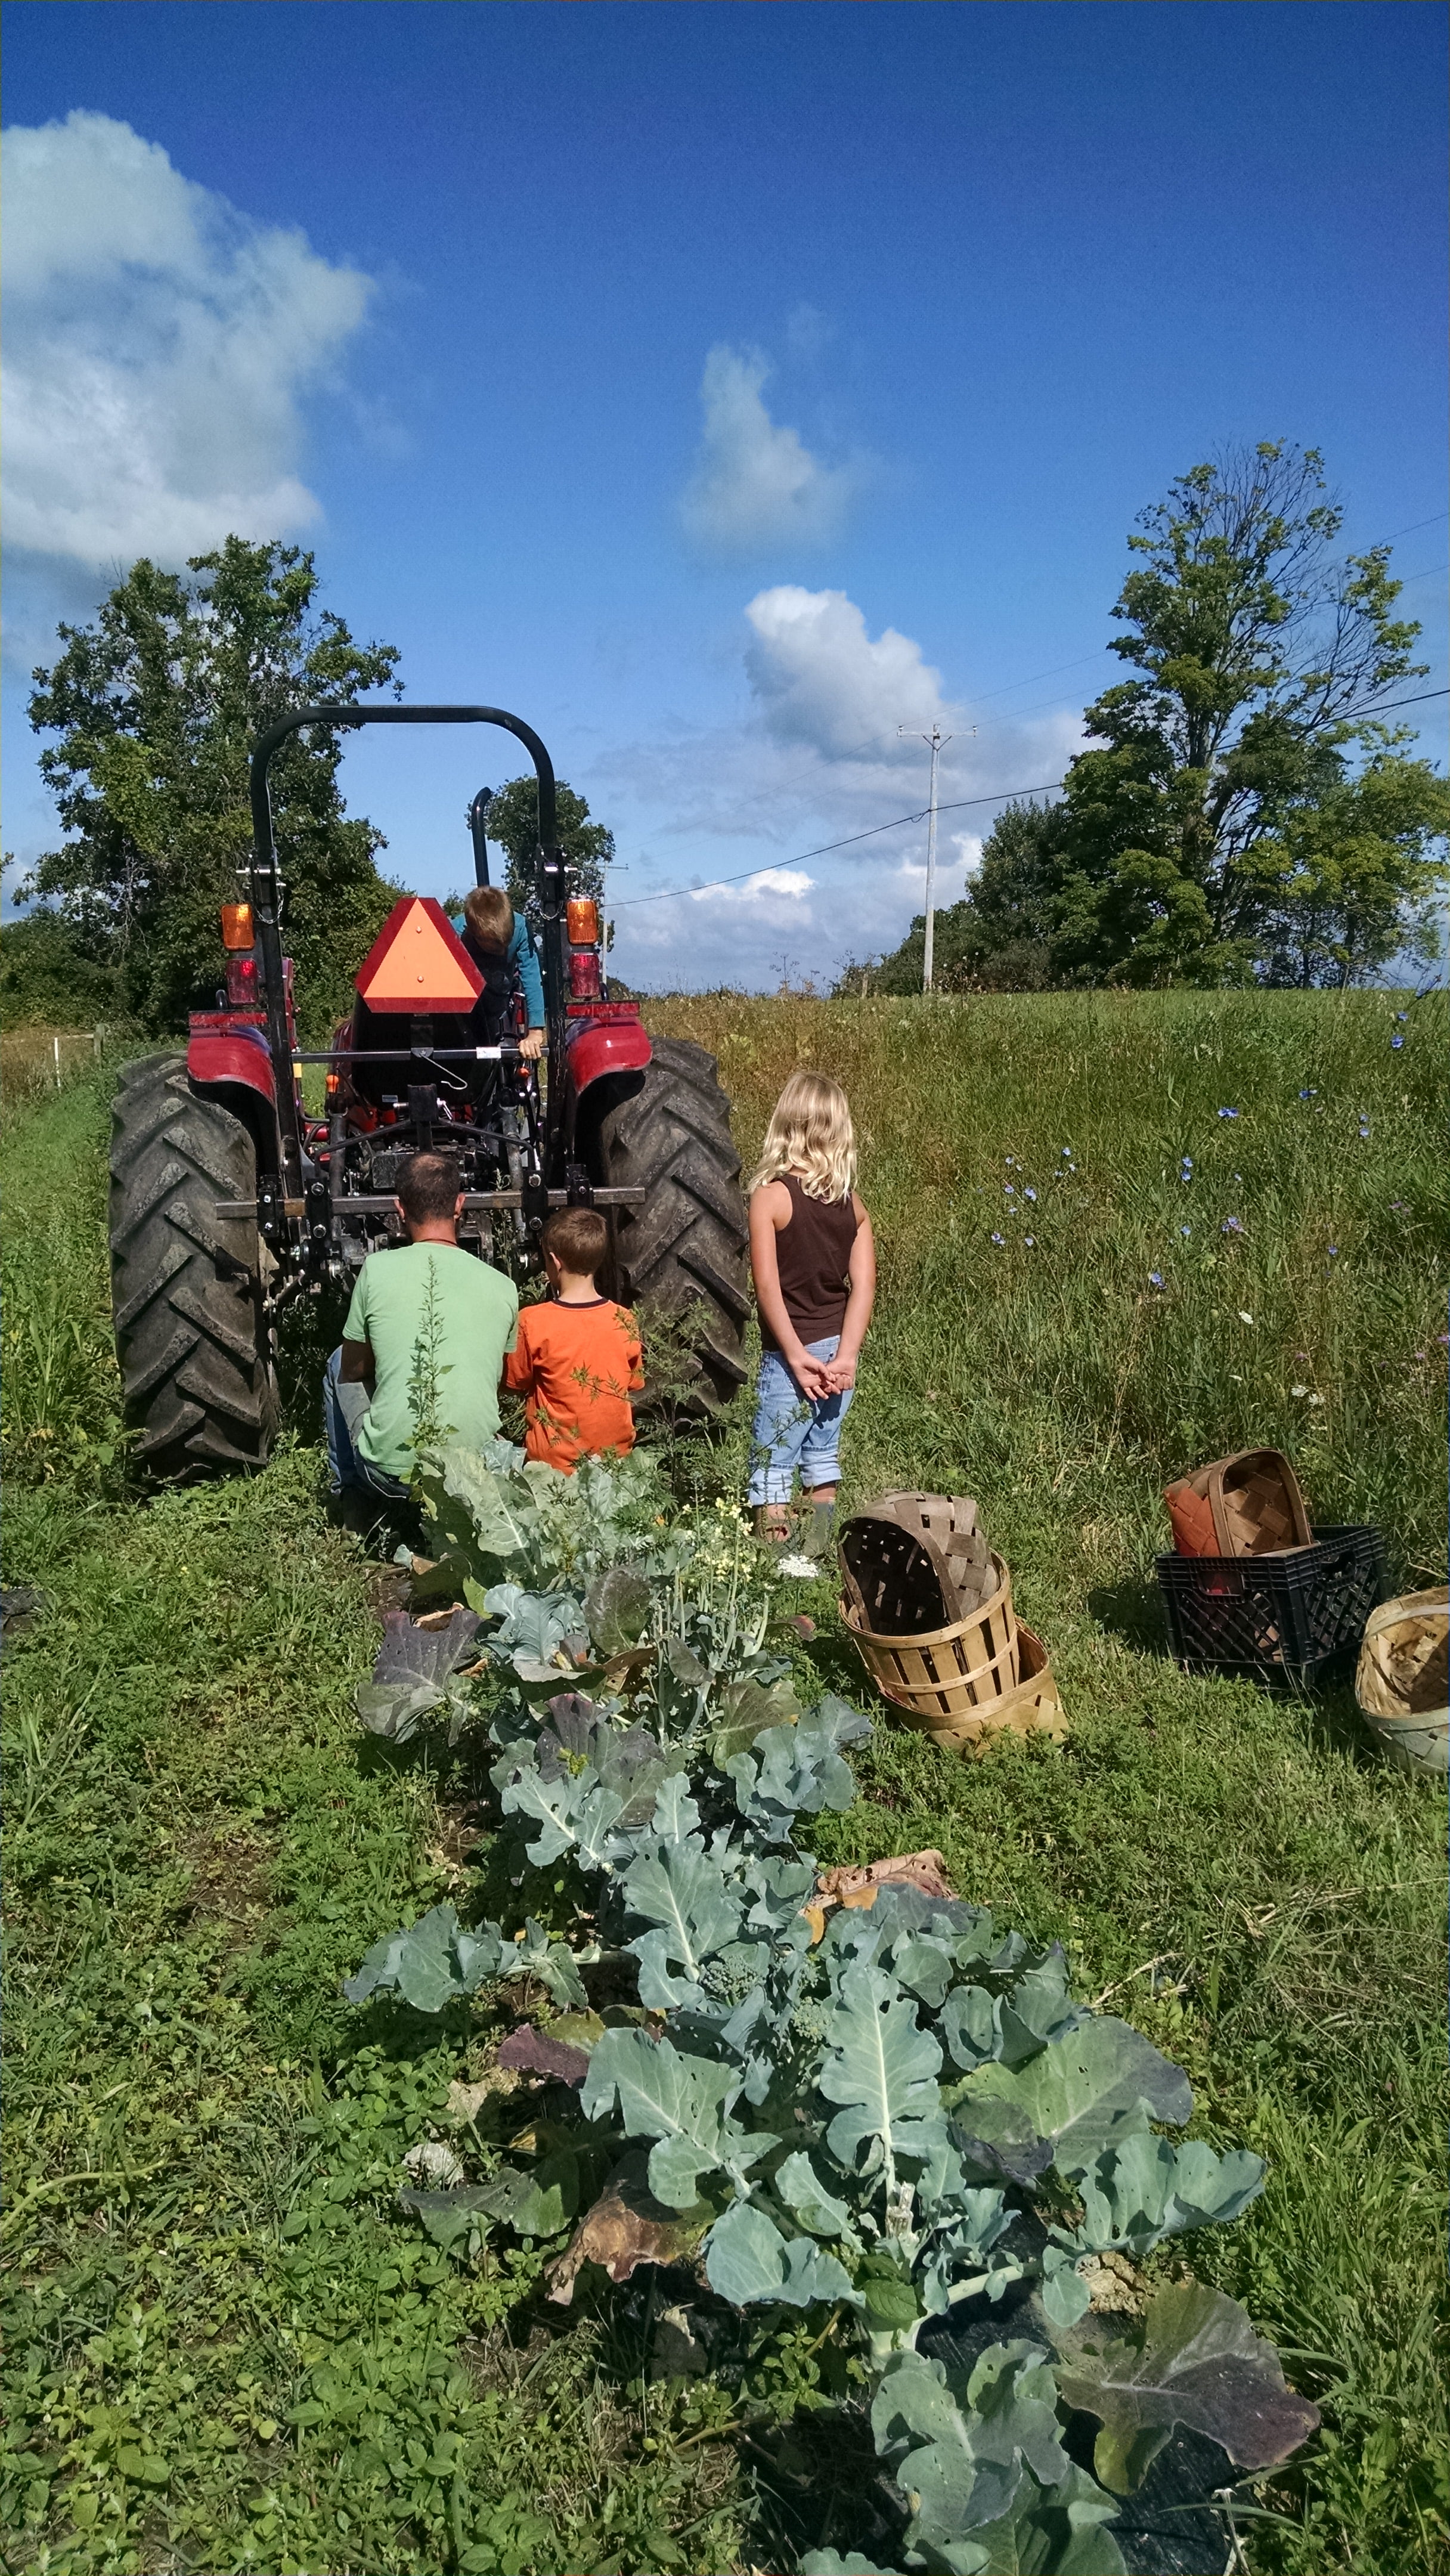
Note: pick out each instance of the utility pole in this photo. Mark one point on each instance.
(934, 741)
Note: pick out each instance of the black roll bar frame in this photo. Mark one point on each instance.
(267, 907)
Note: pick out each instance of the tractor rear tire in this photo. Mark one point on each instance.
(685, 1250)
(192, 1338)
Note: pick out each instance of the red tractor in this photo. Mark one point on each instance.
(230, 1201)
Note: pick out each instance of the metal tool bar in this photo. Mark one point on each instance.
(473, 1199)
(410, 1055)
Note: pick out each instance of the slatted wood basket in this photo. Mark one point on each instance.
(914, 1563)
(941, 1675)
(1246, 1505)
(1033, 1707)
(1403, 1680)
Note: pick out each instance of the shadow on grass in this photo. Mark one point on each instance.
(1132, 1609)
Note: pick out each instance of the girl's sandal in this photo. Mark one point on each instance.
(816, 1534)
(773, 1527)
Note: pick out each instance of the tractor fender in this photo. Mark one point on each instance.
(223, 1048)
(598, 1047)
(229, 1060)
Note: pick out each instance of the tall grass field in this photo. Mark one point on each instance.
(1118, 1236)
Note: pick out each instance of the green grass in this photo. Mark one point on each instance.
(227, 2347)
(1287, 1886)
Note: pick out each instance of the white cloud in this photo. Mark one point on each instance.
(157, 344)
(818, 678)
(793, 883)
(818, 760)
(755, 482)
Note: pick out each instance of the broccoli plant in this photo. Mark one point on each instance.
(883, 2112)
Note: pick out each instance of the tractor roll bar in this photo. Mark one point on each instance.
(266, 893)
(478, 829)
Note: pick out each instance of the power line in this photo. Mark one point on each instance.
(667, 893)
(959, 805)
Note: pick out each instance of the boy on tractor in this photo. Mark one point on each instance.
(499, 944)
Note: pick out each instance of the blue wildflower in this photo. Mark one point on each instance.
(1228, 1113)
(1231, 1225)
(1155, 1278)
(998, 1238)
(1029, 1240)
(1334, 1252)
(1185, 1229)
(1402, 1015)
(1029, 1194)
(1067, 1153)
(1397, 1042)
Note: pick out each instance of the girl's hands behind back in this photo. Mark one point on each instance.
(812, 1376)
(840, 1375)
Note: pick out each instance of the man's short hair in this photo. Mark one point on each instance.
(428, 1187)
(489, 915)
(578, 1238)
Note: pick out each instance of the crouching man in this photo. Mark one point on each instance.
(426, 1318)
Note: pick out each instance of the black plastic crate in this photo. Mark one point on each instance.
(1285, 1615)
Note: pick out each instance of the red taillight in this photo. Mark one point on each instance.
(583, 922)
(584, 983)
(236, 925)
(244, 985)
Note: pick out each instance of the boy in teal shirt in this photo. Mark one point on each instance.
(472, 1328)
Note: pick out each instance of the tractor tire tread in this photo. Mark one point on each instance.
(192, 1340)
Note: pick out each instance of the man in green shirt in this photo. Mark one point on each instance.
(427, 1307)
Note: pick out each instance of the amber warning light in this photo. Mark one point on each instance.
(583, 922)
(236, 925)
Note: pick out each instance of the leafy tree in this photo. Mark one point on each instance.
(48, 976)
(155, 706)
(1225, 764)
(997, 939)
(1248, 817)
(513, 822)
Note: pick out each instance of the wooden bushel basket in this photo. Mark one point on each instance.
(914, 1563)
(1246, 1505)
(1403, 1680)
(944, 1675)
(1034, 1707)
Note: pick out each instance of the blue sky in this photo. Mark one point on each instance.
(721, 384)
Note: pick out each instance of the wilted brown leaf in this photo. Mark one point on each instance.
(923, 1870)
(627, 2226)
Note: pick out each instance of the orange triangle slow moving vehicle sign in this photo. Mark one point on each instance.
(418, 963)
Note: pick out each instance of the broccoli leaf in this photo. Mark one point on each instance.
(431, 1962)
(959, 2442)
(679, 2101)
(1144, 2189)
(747, 2259)
(1080, 2094)
(1195, 2360)
(882, 2067)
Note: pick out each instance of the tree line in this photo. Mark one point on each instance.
(1242, 813)
(147, 717)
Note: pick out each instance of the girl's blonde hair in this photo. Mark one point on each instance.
(811, 1135)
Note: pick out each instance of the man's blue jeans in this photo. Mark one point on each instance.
(344, 1408)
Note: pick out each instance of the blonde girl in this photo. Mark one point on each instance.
(814, 1260)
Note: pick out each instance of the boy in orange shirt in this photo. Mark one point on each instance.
(577, 1355)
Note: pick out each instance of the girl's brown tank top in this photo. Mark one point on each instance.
(813, 1258)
